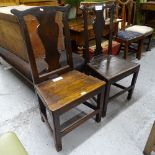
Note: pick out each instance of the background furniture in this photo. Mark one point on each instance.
(107, 67)
(126, 11)
(148, 10)
(126, 38)
(9, 2)
(77, 30)
(28, 2)
(59, 88)
(150, 144)
(39, 2)
(11, 145)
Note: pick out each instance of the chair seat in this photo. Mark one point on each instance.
(111, 66)
(128, 35)
(73, 89)
(145, 30)
(10, 145)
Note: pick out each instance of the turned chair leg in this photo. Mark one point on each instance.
(57, 131)
(149, 42)
(106, 97)
(140, 48)
(133, 82)
(150, 144)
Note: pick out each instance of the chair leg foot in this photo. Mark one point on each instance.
(98, 119)
(100, 100)
(130, 92)
(42, 119)
(145, 153)
(103, 113)
(149, 42)
(133, 82)
(104, 110)
(106, 96)
(58, 148)
(129, 96)
(140, 48)
(57, 131)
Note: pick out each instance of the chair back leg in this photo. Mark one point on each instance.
(149, 42)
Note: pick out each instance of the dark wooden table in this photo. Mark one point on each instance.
(77, 30)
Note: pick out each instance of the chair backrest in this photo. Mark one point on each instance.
(126, 11)
(52, 25)
(98, 23)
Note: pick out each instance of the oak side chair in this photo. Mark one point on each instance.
(108, 68)
(59, 88)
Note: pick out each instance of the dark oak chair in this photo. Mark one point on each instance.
(107, 67)
(59, 88)
(150, 144)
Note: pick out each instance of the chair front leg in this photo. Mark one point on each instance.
(140, 48)
(57, 131)
(133, 82)
(106, 98)
(100, 100)
(149, 42)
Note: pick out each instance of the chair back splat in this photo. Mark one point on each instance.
(98, 24)
(48, 30)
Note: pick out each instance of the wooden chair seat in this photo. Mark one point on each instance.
(56, 98)
(111, 67)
